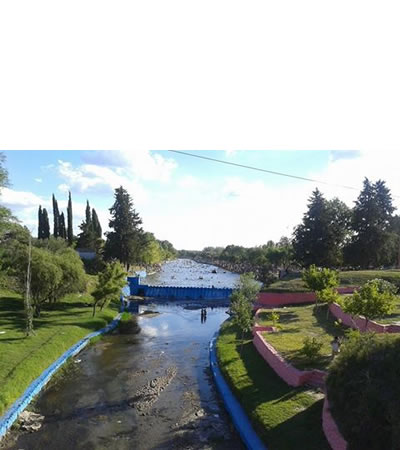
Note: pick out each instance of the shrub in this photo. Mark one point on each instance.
(372, 300)
(311, 348)
(364, 391)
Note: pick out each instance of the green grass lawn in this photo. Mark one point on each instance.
(298, 322)
(284, 417)
(294, 283)
(60, 326)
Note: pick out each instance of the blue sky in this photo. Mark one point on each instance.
(190, 201)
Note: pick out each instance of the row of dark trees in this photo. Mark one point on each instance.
(365, 236)
(127, 241)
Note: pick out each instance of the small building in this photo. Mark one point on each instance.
(86, 253)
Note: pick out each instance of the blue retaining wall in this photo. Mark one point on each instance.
(239, 417)
(35, 387)
(176, 292)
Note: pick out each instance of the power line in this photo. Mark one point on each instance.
(267, 171)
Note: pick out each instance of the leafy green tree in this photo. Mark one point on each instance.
(249, 287)
(73, 278)
(372, 243)
(125, 242)
(329, 296)
(151, 252)
(56, 218)
(111, 280)
(70, 231)
(46, 275)
(373, 301)
(242, 314)
(318, 279)
(320, 238)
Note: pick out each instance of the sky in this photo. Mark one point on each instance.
(101, 90)
(189, 201)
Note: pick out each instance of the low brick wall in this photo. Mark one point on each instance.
(360, 322)
(292, 298)
(331, 430)
(291, 375)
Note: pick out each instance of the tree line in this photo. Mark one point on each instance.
(46, 268)
(333, 235)
(127, 241)
(330, 235)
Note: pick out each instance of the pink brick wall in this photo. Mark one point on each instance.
(332, 433)
(291, 375)
(360, 322)
(287, 298)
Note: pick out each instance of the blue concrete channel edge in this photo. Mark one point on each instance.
(239, 417)
(11, 415)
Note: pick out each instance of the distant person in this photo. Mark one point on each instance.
(335, 344)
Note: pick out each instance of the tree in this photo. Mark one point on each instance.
(96, 225)
(45, 277)
(249, 287)
(62, 229)
(242, 314)
(56, 218)
(45, 225)
(318, 279)
(125, 242)
(323, 282)
(320, 238)
(27, 298)
(40, 223)
(70, 231)
(111, 280)
(372, 243)
(373, 300)
(87, 237)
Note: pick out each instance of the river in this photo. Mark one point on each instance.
(152, 390)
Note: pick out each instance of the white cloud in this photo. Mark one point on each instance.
(63, 188)
(38, 180)
(18, 199)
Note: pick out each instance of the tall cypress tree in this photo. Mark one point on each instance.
(40, 223)
(62, 230)
(87, 238)
(45, 225)
(96, 224)
(69, 219)
(56, 218)
(125, 242)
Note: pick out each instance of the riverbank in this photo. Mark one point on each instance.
(60, 326)
(284, 417)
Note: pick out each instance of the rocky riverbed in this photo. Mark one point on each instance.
(151, 390)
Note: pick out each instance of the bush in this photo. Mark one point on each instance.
(311, 348)
(364, 391)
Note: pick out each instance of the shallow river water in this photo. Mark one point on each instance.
(152, 390)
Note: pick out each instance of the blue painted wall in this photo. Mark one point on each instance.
(177, 292)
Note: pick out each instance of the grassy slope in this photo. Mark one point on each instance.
(297, 322)
(294, 283)
(284, 417)
(24, 359)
